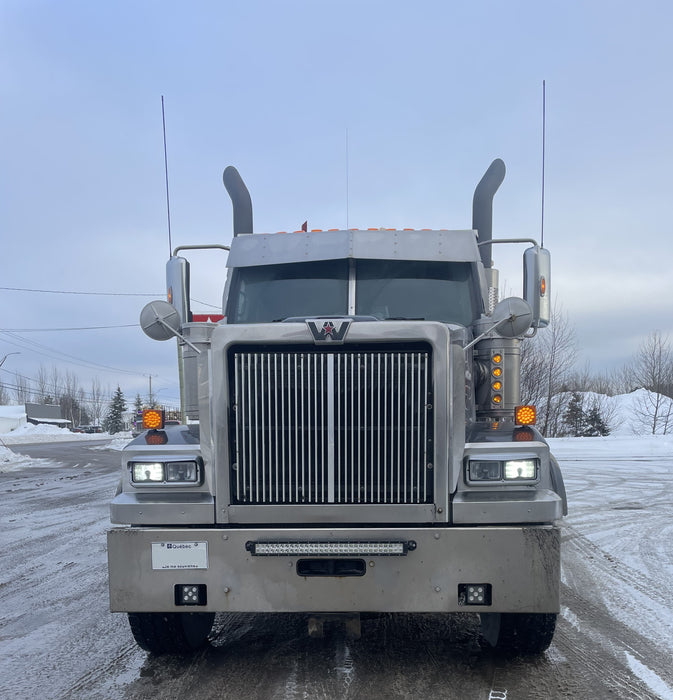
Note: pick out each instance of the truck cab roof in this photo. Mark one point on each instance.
(270, 249)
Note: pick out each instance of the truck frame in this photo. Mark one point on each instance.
(352, 440)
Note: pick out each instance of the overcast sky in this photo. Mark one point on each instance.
(426, 94)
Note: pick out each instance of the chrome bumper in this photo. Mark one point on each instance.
(522, 564)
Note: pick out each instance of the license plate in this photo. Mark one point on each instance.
(169, 556)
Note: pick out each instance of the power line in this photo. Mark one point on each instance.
(97, 294)
(26, 344)
(54, 389)
(205, 303)
(81, 328)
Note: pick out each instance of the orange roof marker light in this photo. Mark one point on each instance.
(523, 435)
(525, 415)
(153, 419)
(156, 437)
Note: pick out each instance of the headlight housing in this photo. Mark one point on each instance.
(178, 473)
(504, 471)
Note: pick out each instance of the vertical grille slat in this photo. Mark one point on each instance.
(348, 426)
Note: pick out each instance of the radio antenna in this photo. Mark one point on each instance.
(347, 183)
(544, 126)
(168, 201)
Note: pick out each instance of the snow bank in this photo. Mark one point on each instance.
(625, 414)
(614, 446)
(29, 433)
(11, 460)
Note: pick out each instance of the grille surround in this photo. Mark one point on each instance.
(347, 425)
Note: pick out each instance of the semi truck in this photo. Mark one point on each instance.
(353, 439)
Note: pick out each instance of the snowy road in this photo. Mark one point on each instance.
(614, 638)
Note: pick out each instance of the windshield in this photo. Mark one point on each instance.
(416, 289)
(387, 289)
(273, 292)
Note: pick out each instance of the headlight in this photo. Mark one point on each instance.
(182, 471)
(187, 472)
(485, 471)
(144, 472)
(520, 469)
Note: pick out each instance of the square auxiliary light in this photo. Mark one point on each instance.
(474, 593)
(191, 594)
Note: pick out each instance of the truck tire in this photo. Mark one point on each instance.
(171, 633)
(519, 633)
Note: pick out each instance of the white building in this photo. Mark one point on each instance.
(11, 418)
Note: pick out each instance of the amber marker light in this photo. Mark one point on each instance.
(497, 386)
(525, 415)
(497, 398)
(153, 419)
(497, 358)
(497, 371)
(157, 437)
(543, 286)
(523, 435)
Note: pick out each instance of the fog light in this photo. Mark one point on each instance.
(191, 594)
(474, 594)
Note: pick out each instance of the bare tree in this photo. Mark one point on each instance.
(652, 369)
(97, 401)
(55, 381)
(44, 393)
(4, 395)
(547, 361)
(21, 389)
(71, 399)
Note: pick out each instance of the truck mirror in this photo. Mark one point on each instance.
(536, 283)
(159, 320)
(512, 317)
(177, 281)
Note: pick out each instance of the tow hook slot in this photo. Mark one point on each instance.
(331, 567)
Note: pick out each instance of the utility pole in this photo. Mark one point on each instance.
(151, 397)
(7, 355)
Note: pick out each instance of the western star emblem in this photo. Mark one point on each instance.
(328, 330)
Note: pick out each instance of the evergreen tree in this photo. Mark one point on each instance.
(595, 425)
(114, 420)
(574, 416)
(138, 403)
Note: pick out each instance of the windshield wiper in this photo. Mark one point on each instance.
(403, 318)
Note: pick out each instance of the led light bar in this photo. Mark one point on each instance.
(309, 549)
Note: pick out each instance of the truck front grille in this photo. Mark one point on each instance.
(331, 427)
